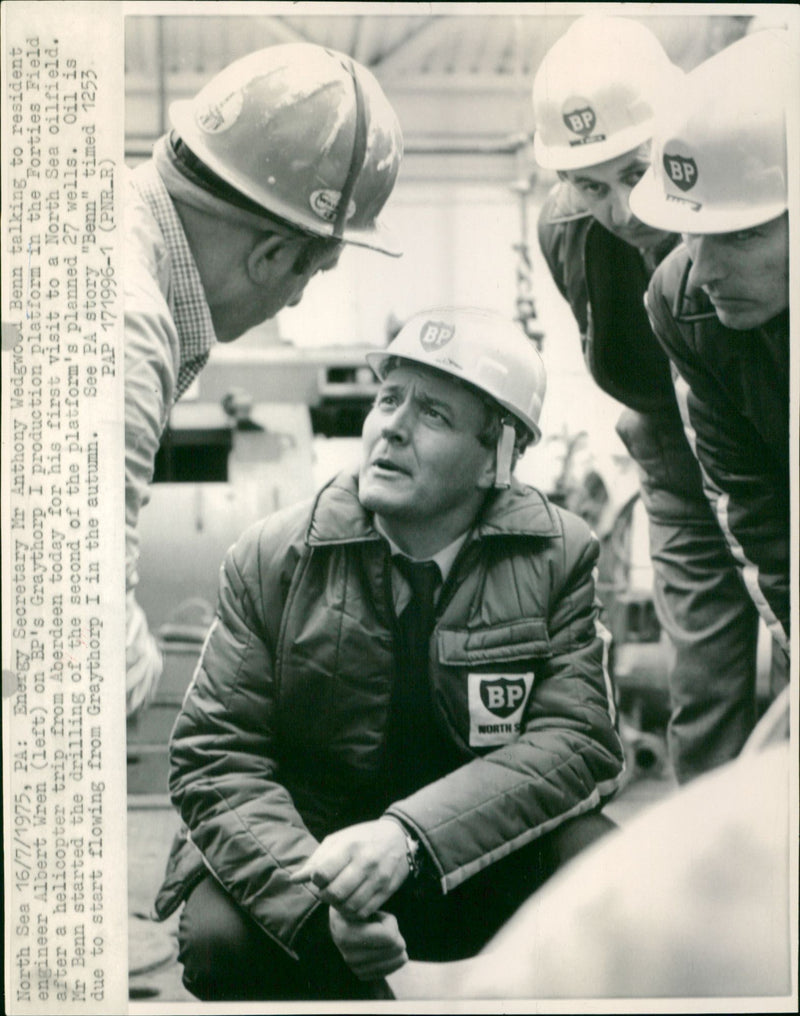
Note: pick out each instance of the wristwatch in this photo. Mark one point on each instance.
(412, 851)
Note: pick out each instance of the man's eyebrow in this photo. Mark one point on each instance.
(582, 178)
(431, 402)
(424, 399)
(636, 162)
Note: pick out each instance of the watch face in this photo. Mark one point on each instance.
(412, 847)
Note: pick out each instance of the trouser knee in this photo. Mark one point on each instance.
(219, 948)
(226, 956)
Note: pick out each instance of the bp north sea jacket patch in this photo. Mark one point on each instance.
(496, 706)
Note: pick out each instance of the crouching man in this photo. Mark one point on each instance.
(402, 720)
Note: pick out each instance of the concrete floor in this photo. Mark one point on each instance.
(155, 974)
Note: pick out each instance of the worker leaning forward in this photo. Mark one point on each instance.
(283, 156)
(720, 303)
(402, 718)
(594, 98)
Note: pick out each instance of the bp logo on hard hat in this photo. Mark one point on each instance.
(221, 116)
(435, 334)
(580, 119)
(682, 170)
(325, 204)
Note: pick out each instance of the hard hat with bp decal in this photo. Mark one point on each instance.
(596, 92)
(305, 132)
(485, 351)
(719, 153)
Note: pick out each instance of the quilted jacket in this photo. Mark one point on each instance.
(281, 734)
(733, 392)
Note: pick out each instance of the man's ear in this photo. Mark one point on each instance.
(267, 256)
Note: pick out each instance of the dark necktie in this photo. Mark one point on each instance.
(413, 738)
(418, 617)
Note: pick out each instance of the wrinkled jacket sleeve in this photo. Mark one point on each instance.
(550, 247)
(223, 775)
(151, 356)
(558, 243)
(568, 758)
(751, 505)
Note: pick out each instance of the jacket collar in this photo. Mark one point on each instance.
(338, 517)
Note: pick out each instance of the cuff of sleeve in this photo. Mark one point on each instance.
(419, 863)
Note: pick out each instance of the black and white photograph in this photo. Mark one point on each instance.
(400, 403)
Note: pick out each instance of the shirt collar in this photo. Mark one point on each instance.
(190, 311)
(444, 558)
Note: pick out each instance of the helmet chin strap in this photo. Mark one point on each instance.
(504, 457)
(356, 157)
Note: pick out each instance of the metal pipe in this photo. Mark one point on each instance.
(142, 147)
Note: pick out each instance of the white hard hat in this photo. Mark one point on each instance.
(479, 347)
(303, 131)
(596, 92)
(719, 154)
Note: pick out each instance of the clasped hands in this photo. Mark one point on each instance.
(355, 870)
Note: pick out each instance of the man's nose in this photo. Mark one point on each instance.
(707, 267)
(396, 426)
(620, 209)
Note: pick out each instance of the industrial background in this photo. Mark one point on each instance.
(278, 412)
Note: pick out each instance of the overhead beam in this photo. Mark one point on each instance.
(413, 46)
(285, 32)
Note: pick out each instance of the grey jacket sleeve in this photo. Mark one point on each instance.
(748, 498)
(224, 776)
(151, 345)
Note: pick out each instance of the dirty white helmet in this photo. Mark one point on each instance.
(719, 153)
(596, 92)
(303, 131)
(484, 350)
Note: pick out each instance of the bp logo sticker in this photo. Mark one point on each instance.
(580, 121)
(221, 116)
(496, 707)
(435, 334)
(682, 170)
(325, 204)
(502, 696)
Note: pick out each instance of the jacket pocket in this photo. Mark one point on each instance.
(512, 642)
(487, 676)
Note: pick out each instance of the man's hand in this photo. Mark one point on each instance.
(371, 949)
(143, 660)
(358, 868)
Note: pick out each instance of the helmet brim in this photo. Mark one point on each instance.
(675, 214)
(380, 238)
(579, 156)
